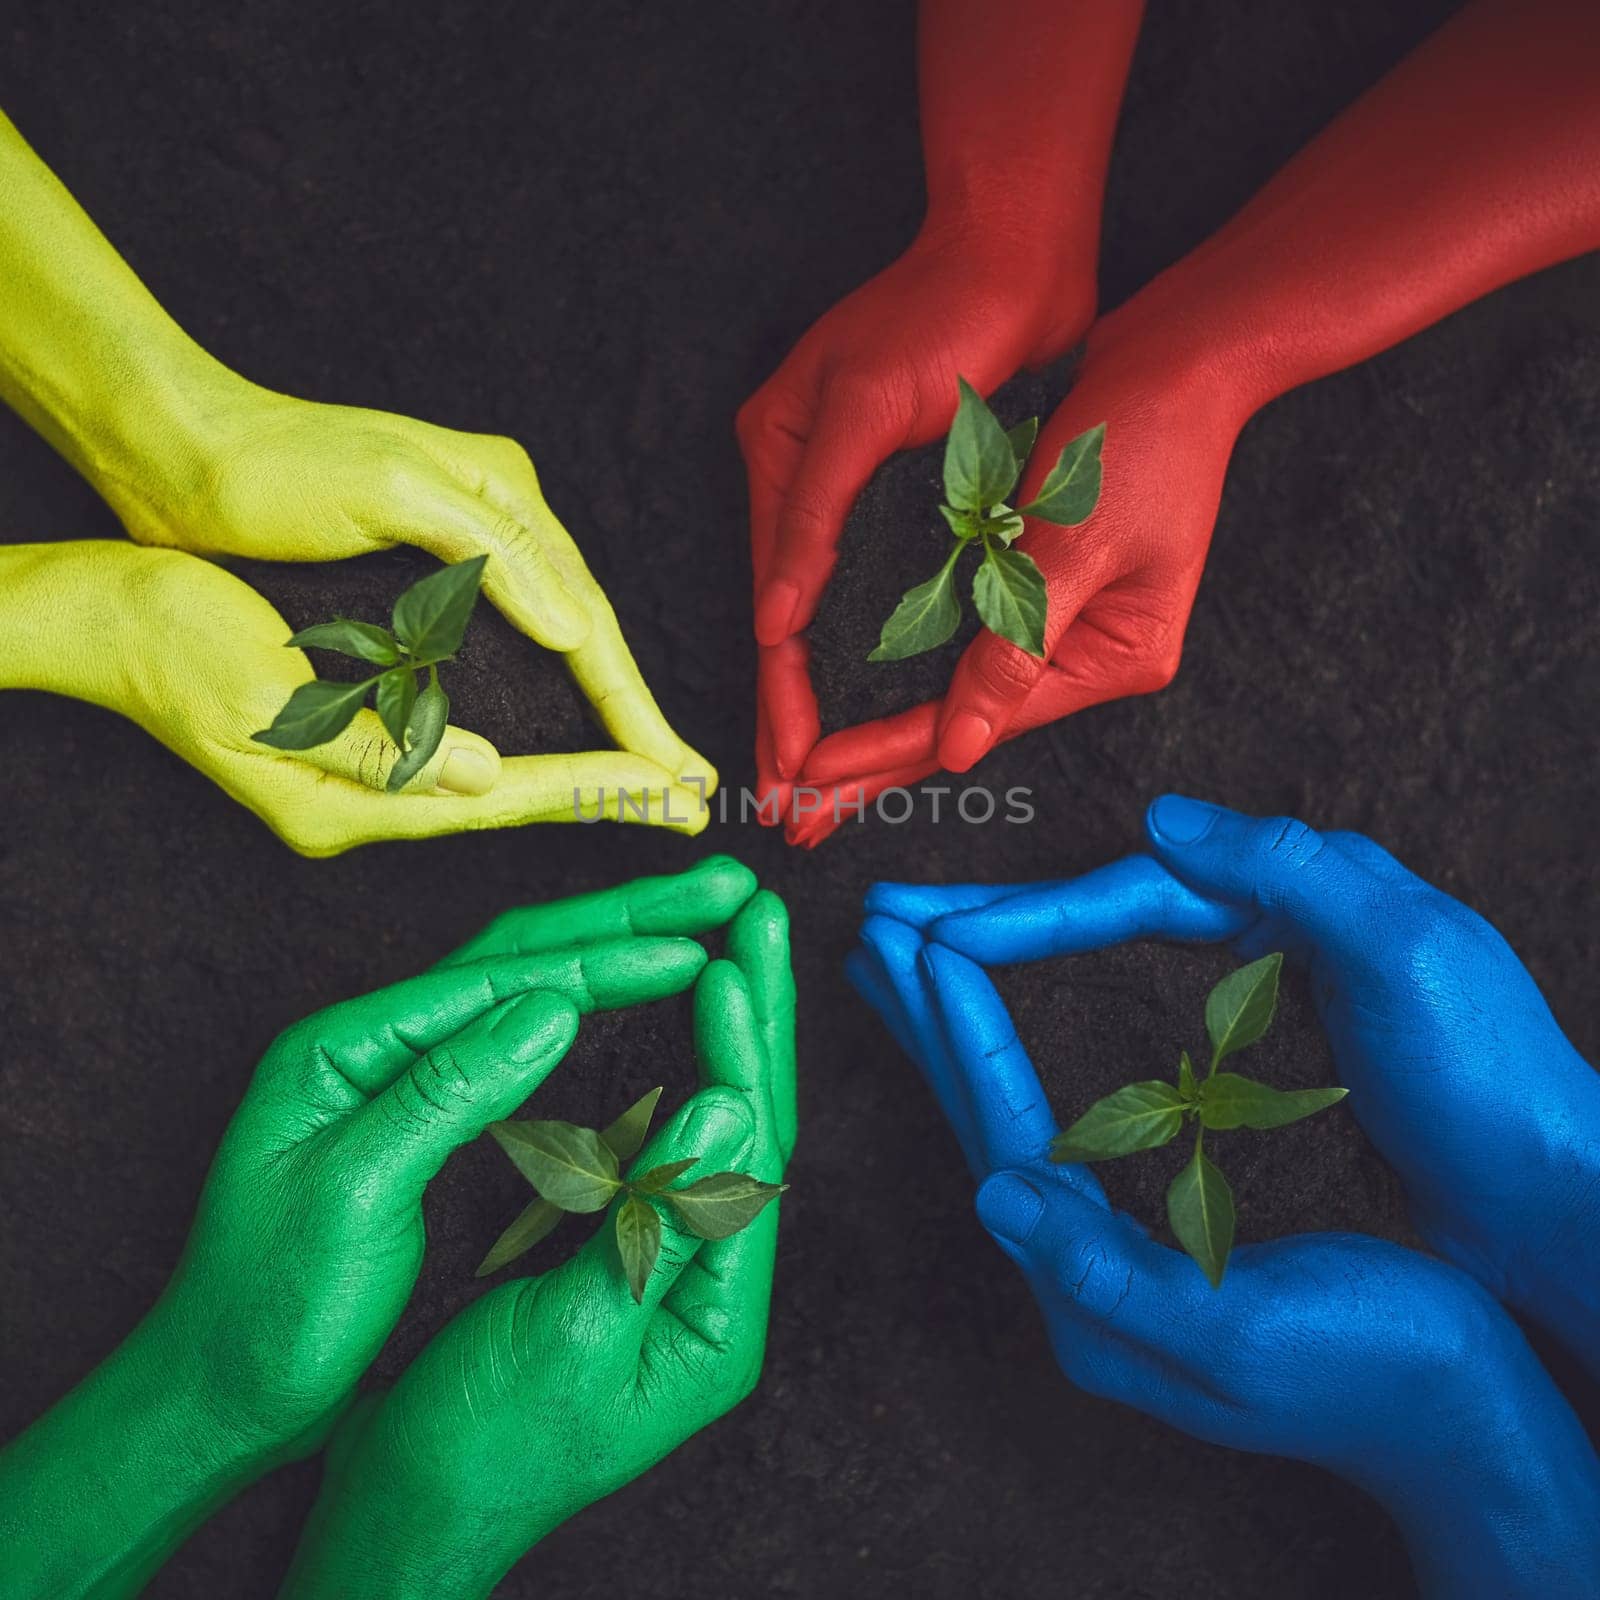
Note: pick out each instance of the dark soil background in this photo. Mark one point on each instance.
(596, 226)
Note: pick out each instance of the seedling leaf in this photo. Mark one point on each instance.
(1239, 1010)
(1139, 1116)
(1021, 438)
(979, 467)
(431, 616)
(315, 713)
(363, 640)
(718, 1206)
(1230, 1101)
(924, 619)
(571, 1167)
(1187, 1087)
(625, 1137)
(1200, 1209)
(638, 1242)
(429, 717)
(1010, 595)
(657, 1178)
(396, 699)
(1072, 489)
(536, 1220)
(1004, 524)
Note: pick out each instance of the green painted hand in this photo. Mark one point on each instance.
(551, 1392)
(309, 1232)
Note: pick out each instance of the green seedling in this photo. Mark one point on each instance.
(430, 619)
(577, 1169)
(1145, 1115)
(982, 463)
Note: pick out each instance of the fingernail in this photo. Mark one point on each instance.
(1180, 820)
(966, 738)
(466, 771)
(775, 611)
(1009, 1207)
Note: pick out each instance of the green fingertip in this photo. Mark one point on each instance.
(535, 1025)
(628, 971)
(704, 895)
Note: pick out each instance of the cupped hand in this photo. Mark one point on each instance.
(1457, 1070)
(282, 479)
(1121, 585)
(309, 1235)
(198, 660)
(551, 1392)
(874, 375)
(1393, 1370)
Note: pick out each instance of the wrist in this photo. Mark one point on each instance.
(1505, 1504)
(99, 1491)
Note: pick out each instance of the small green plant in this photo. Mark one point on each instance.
(430, 619)
(982, 463)
(577, 1169)
(1145, 1115)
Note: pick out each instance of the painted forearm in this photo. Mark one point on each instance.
(87, 356)
(1511, 1512)
(1474, 162)
(1018, 107)
(97, 1493)
(63, 608)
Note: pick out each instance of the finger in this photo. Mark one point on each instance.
(919, 904)
(717, 1129)
(600, 659)
(717, 1310)
(1273, 864)
(451, 1093)
(914, 1020)
(1089, 668)
(369, 1040)
(905, 739)
(696, 901)
(320, 815)
(1010, 1111)
(848, 442)
(732, 1055)
(994, 678)
(727, 1039)
(519, 578)
(758, 942)
(463, 765)
(1089, 1262)
(1370, 854)
(1135, 898)
(816, 813)
(772, 427)
(773, 794)
(612, 683)
(783, 683)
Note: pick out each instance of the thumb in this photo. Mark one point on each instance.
(447, 1097)
(1275, 864)
(1074, 1251)
(464, 763)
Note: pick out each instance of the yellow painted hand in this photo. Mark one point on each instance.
(192, 456)
(196, 657)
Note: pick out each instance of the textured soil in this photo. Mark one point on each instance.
(595, 226)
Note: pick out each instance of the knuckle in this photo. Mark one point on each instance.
(1289, 841)
(1002, 669)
